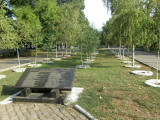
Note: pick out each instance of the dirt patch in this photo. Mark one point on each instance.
(118, 92)
(102, 91)
(132, 110)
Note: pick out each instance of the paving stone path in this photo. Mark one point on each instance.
(32, 111)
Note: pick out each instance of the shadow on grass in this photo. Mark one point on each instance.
(65, 63)
(98, 65)
(8, 90)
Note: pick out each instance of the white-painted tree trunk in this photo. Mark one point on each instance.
(81, 53)
(157, 67)
(81, 58)
(19, 64)
(62, 50)
(123, 53)
(36, 56)
(56, 50)
(133, 55)
(66, 48)
(120, 53)
(70, 50)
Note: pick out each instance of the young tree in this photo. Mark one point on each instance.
(128, 23)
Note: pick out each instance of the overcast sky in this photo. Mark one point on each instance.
(96, 13)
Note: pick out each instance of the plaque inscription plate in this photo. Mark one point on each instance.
(50, 78)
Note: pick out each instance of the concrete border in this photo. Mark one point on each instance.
(142, 72)
(152, 82)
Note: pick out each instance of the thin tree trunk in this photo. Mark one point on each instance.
(47, 54)
(120, 48)
(36, 52)
(70, 50)
(157, 67)
(81, 58)
(81, 53)
(66, 48)
(123, 53)
(56, 50)
(36, 57)
(62, 49)
(19, 64)
(128, 51)
(158, 62)
(133, 55)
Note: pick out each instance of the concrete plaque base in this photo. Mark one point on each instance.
(43, 97)
(45, 85)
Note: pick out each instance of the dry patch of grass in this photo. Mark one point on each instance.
(111, 92)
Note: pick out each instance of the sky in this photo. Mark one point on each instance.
(96, 13)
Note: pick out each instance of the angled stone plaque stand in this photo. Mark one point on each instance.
(46, 85)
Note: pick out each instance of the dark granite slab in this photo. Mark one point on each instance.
(47, 78)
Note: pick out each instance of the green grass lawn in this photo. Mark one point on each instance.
(110, 91)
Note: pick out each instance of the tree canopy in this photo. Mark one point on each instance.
(44, 23)
(133, 22)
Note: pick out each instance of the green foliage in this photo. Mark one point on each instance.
(8, 36)
(133, 22)
(90, 41)
(45, 23)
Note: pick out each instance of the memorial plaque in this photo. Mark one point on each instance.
(47, 78)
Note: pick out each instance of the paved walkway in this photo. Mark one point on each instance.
(31, 111)
(147, 58)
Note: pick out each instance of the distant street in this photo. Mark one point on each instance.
(11, 62)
